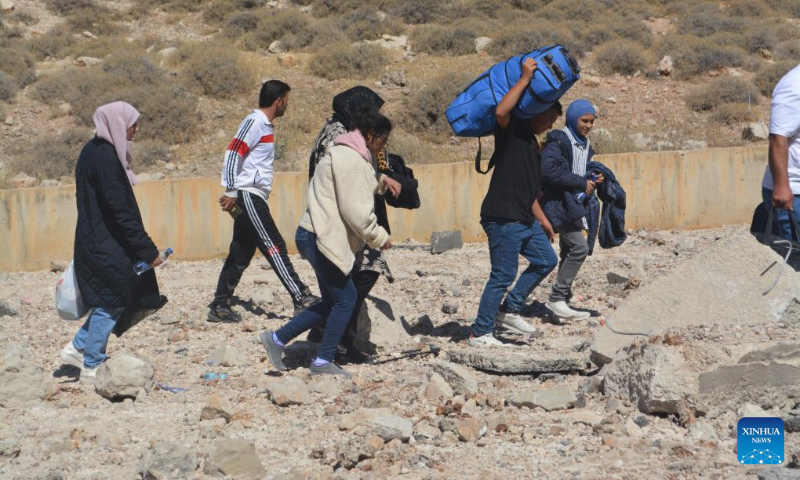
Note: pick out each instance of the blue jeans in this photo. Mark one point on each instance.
(338, 300)
(506, 242)
(92, 338)
(781, 217)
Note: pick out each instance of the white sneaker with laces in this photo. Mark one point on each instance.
(514, 323)
(487, 340)
(561, 310)
(71, 356)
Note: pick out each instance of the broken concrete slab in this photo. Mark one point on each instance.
(521, 362)
(559, 397)
(459, 378)
(721, 284)
(444, 241)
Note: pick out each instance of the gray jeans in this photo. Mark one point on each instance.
(574, 250)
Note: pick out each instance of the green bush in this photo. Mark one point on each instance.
(337, 61)
(621, 56)
(706, 19)
(424, 109)
(721, 90)
(444, 40)
(771, 74)
(693, 55)
(18, 63)
(8, 87)
(62, 155)
(217, 71)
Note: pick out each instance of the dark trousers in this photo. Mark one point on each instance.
(255, 228)
(336, 307)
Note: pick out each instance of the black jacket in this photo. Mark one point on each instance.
(109, 236)
(612, 223)
(559, 184)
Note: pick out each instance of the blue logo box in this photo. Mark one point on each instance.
(759, 441)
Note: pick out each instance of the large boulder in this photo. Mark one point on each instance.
(379, 327)
(721, 284)
(167, 461)
(235, 458)
(124, 375)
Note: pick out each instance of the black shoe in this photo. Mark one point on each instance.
(352, 353)
(223, 314)
(307, 301)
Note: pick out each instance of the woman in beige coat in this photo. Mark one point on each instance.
(339, 219)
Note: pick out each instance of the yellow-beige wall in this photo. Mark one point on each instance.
(686, 190)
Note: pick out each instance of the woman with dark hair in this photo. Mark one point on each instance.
(339, 219)
(109, 239)
(348, 109)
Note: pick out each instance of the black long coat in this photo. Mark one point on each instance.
(109, 236)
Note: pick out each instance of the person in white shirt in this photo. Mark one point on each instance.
(781, 184)
(247, 173)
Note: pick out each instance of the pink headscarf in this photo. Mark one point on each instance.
(112, 122)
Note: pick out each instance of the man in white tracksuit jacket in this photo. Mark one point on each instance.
(247, 173)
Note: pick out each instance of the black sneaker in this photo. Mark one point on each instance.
(307, 301)
(223, 314)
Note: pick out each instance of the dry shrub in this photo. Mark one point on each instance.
(217, 71)
(22, 16)
(788, 7)
(721, 90)
(368, 24)
(62, 155)
(133, 67)
(530, 36)
(732, 113)
(621, 56)
(8, 87)
(706, 19)
(693, 55)
(424, 109)
(147, 153)
(749, 8)
(53, 43)
(169, 112)
(18, 63)
(270, 26)
(240, 23)
(68, 7)
(98, 24)
(416, 11)
(571, 11)
(759, 38)
(334, 8)
(341, 60)
(316, 35)
(771, 74)
(444, 40)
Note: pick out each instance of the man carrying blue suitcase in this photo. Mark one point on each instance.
(512, 218)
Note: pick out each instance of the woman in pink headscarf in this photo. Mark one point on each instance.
(109, 239)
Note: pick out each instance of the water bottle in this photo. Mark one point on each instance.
(143, 266)
(581, 196)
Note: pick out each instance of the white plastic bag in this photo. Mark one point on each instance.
(69, 303)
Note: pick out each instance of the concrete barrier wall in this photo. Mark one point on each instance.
(686, 190)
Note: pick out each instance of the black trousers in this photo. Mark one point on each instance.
(255, 228)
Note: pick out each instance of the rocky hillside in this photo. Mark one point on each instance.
(674, 74)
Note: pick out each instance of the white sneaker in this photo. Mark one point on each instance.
(561, 310)
(71, 356)
(514, 322)
(88, 375)
(487, 340)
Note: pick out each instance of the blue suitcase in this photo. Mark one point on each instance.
(472, 113)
